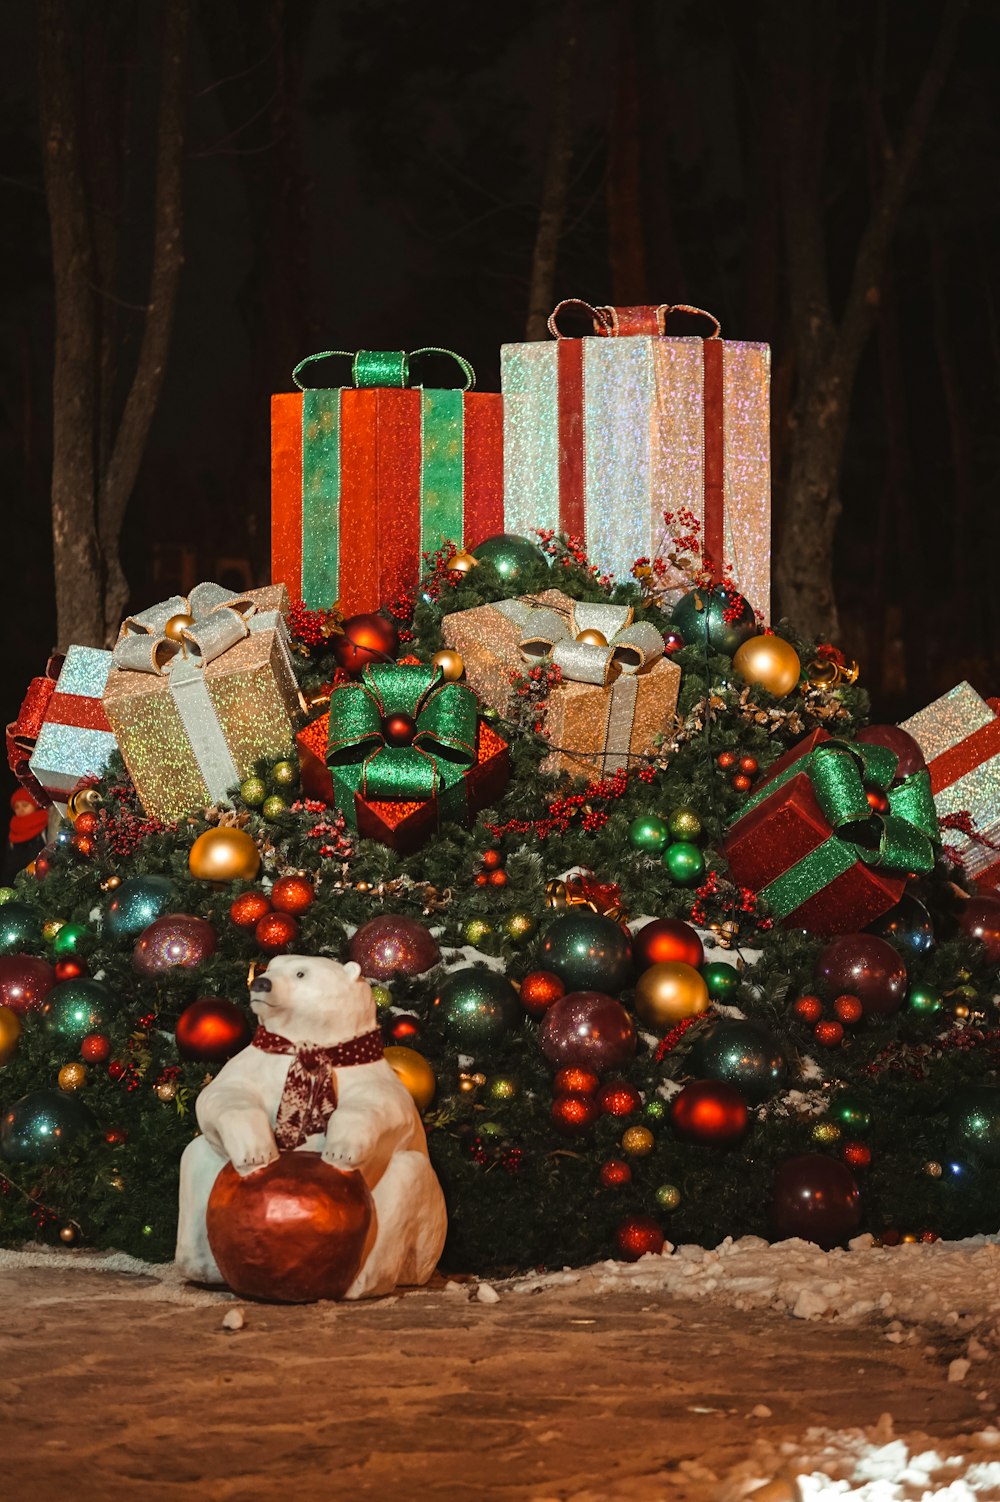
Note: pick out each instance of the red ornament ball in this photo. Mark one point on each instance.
(211, 1030)
(877, 801)
(292, 1232)
(175, 941)
(86, 823)
(116, 1069)
(275, 932)
(539, 989)
(498, 878)
(808, 1008)
(817, 1198)
(856, 1154)
(741, 783)
(618, 1098)
(665, 941)
(865, 966)
(673, 642)
(404, 1028)
(575, 1113)
(589, 1029)
(247, 910)
(292, 894)
(24, 982)
(366, 639)
(393, 944)
(911, 758)
(70, 969)
(481, 878)
(980, 919)
(749, 765)
(95, 1048)
(83, 844)
(848, 1009)
(492, 859)
(399, 729)
(614, 1173)
(829, 1033)
(727, 760)
(575, 1081)
(115, 1136)
(638, 1236)
(709, 1112)
(928, 1236)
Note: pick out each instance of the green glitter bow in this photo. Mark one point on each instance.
(434, 764)
(841, 773)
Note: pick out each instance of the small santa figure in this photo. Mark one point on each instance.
(26, 834)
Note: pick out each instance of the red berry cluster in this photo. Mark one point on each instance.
(726, 900)
(509, 1158)
(331, 829)
(562, 812)
(742, 769)
(122, 824)
(569, 552)
(491, 872)
(670, 1040)
(310, 628)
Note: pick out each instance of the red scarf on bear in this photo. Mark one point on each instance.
(309, 1098)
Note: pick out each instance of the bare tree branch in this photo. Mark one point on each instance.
(555, 185)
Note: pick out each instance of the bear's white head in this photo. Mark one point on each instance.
(308, 999)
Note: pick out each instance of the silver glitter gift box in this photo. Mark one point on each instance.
(75, 739)
(959, 735)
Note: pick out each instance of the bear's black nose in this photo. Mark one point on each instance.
(261, 984)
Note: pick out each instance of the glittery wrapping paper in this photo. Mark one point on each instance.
(643, 448)
(75, 738)
(403, 826)
(788, 826)
(365, 481)
(579, 716)
(959, 735)
(254, 696)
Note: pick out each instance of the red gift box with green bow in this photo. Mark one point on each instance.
(405, 751)
(830, 837)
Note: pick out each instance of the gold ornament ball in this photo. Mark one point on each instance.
(668, 1196)
(116, 1181)
(770, 662)
(503, 1087)
(638, 1141)
(111, 883)
(908, 1238)
(826, 1131)
(415, 1072)
(177, 625)
(933, 1170)
(68, 1235)
(592, 637)
(476, 930)
(52, 927)
(451, 664)
(670, 991)
(466, 1084)
(462, 563)
(382, 996)
(519, 925)
(10, 1034)
(224, 855)
(72, 1077)
(165, 1090)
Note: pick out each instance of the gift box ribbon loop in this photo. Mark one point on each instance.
(611, 323)
(383, 369)
(842, 774)
(547, 632)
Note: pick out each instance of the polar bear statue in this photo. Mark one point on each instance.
(314, 1077)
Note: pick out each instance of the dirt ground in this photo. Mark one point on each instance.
(109, 1389)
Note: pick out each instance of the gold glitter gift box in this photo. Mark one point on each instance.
(604, 435)
(613, 701)
(200, 687)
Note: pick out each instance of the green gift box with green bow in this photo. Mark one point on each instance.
(407, 751)
(830, 837)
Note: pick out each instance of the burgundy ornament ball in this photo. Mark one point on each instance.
(211, 1030)
(637, 1236)
(574, 1113)
(588, 1029)
(980, 919)
(175, 941)
(366, 639)
(709, 1112)
(867, 967)
(393, 944)
(911, 758)
(817, 1198)
(666, 940)
(24, 982)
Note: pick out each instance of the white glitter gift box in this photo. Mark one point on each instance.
(605, 434)
(75, 739)
(194, 708)
(959, 735)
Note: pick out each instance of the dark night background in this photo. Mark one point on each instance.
(371, 175)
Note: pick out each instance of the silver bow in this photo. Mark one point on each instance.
(546, 632)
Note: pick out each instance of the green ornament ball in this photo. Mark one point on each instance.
(648, 833)
(490, 1129)
(923, 1000)
(974, 1123)
(744, 1054)
(253, 791)
(39, 1127)
(476, 929)
(668, 1196)
(851, 1114)
(684, 824)
(382, 996)
(513, 557)
(519, 926)
(588, 952)
(503, 1087)
(684, 862)
(721, 980)
(274, 806)
(655, 1109)
(20, 927)
(477, 1009)
(71, 939)
(136, 904)
(7, 894)
(701, 617)
(284, 774)
(75, 1008)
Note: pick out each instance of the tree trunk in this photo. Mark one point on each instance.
(555, 184)
(626, 241)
